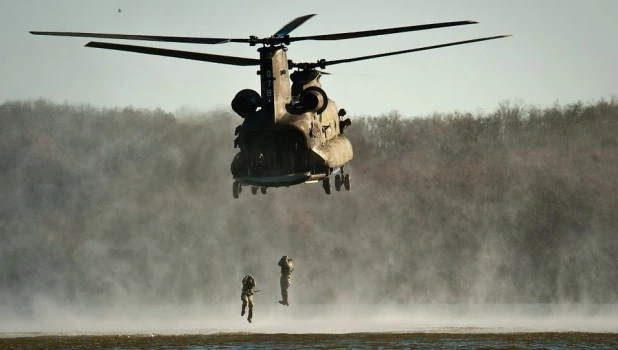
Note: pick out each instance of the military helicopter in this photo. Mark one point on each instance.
(291, 133)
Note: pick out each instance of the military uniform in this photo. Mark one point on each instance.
(286, 278)
(248, 286)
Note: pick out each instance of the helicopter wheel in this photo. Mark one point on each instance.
(346, 182)
(338, 182)
(264, 190)
(254, 190)
(326, 185)
(236, 189)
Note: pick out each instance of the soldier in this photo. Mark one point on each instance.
(248, 284)
(286, 278)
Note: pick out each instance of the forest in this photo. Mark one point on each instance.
(106, 206)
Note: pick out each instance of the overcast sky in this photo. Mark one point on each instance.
(563, 51)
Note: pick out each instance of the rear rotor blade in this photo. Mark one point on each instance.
(197, 56)
(366, 33)
(173, 39)
(295, 23)
(322, 64)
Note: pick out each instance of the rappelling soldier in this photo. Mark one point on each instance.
(286, 278)
(248, 289)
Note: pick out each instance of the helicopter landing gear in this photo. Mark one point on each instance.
(338, 182)
(326, 185)
(236, 189)
(346, 182)
(342, 179)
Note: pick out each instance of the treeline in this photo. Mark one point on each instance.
(113, 206)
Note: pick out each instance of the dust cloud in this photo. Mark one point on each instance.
(123, 220)
(316, 319)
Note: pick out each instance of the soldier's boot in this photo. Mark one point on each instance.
(242, 311)
(284, 295)
(250, 316)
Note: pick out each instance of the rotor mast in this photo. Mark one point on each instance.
(275, 81)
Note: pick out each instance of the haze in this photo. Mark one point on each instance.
(483, 185)
(116, 219)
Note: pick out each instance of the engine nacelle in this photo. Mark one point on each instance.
(313, 99)
(246, 102)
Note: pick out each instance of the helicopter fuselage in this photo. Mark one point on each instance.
(293, 135)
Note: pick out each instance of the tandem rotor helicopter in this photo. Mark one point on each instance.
(291, 133)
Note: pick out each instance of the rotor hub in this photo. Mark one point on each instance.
(270, 41)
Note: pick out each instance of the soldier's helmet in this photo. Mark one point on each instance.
(248, 279)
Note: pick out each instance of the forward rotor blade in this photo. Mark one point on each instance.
(295, 23)
(172, 39)
(197, 56)
(366, 33)
(361, 58)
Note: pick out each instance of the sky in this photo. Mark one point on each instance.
(560, 51)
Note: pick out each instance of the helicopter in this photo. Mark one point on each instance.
(292, 133)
